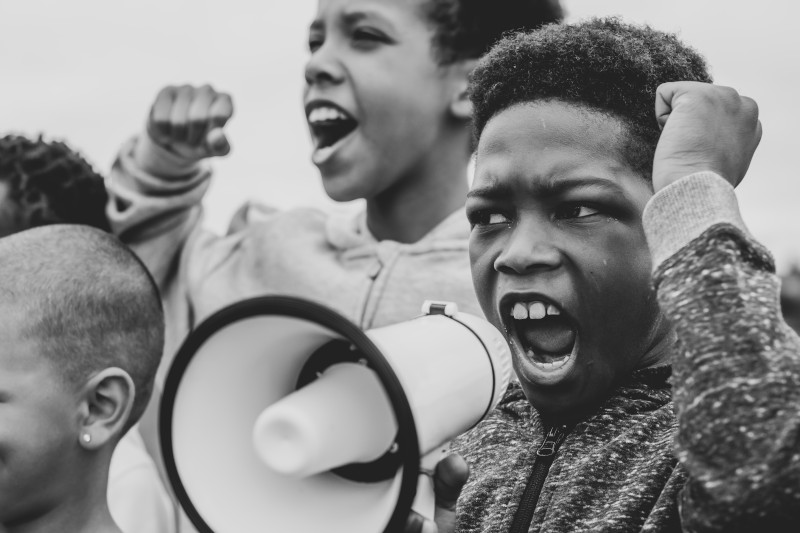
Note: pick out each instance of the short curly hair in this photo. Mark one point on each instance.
(603, 65)
(466, 29)
(49, 183)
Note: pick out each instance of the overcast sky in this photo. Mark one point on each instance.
(86, 71)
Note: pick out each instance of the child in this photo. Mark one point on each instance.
(389, 117)
(614, 258)
(47, 183)
(81, 337)
(44, 183)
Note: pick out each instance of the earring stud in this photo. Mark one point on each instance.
(86, 438)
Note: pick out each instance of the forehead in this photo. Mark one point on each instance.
(546, 142)
(397, 11)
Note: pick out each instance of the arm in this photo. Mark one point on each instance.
(737, 370)
(158, 180)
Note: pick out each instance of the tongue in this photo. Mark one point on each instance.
(548, 336)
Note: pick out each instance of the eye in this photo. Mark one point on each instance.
(368, 37)
(315, 42)
(575, 211)
(487, 217)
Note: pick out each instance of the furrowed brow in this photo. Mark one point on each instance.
(558, 187)
(492, 191)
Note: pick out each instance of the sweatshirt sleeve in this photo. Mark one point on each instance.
(155, 215)
(737, 366)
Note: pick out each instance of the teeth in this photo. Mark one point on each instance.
(520, 311)
(537, 310)
(533, 310)
(548, 366)
(322, 114)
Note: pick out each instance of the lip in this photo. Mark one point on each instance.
(532, 370)
(322, 102)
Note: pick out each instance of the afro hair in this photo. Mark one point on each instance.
(466, 29)
(603, 65)
(48, 183)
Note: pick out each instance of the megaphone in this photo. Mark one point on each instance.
(279, 414)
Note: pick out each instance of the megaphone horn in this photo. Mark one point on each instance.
(279, 414)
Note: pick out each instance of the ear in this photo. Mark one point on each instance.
(106, 406)
(460, 104)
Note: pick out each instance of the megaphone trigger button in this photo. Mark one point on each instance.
(394, 448)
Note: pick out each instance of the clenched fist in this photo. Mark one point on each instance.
(188, 121)
(704, 127)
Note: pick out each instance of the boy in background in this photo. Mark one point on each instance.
(82, 335)
(389, 117)
(659, 387)
(47, 183)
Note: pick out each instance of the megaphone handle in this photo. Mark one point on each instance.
(425, 500)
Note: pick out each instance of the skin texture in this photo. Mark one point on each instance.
(49, 479)
(556, 213)
(374, 59)
(38, 428)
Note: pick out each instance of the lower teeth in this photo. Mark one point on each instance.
(556, 363)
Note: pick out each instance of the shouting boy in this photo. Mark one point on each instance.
(80, 342)
(659, 388)
(389, 116)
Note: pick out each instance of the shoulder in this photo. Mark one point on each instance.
(257, 215)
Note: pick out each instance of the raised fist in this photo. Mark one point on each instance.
(704, 127)
(188, 121)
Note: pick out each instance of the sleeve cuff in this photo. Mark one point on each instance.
(167, 173)
(683, 210)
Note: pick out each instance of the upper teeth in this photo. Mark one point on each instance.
(321, 114)
(534, 310)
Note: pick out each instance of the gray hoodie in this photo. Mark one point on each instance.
(303, 252)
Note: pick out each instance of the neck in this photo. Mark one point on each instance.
(660, 348)
(83, 510)
(424, 197)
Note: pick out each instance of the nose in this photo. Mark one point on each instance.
(324, 66)
(530, 248)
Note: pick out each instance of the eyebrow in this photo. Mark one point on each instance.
(547, 189)
(351, 19)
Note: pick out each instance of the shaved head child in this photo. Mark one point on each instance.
(81, 336)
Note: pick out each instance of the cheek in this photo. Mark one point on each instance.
(481, 258)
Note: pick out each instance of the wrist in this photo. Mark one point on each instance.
(161, 162)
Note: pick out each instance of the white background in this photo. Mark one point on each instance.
(85, 71)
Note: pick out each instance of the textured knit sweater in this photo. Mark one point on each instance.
(711, 443)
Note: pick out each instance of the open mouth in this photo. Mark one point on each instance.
(329, 124)
(544, 335)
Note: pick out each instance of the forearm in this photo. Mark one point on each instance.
(737, 372)
(154, 208)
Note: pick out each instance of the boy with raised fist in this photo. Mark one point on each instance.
(658, 385)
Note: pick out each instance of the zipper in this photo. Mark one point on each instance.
(541, 466)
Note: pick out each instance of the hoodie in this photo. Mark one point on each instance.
(308, 253)
(710, 443)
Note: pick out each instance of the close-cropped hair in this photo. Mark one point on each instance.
(603, 65)
(87, 304)
(466, 29)
(49, 183)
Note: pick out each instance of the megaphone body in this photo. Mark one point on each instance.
(279, 414)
